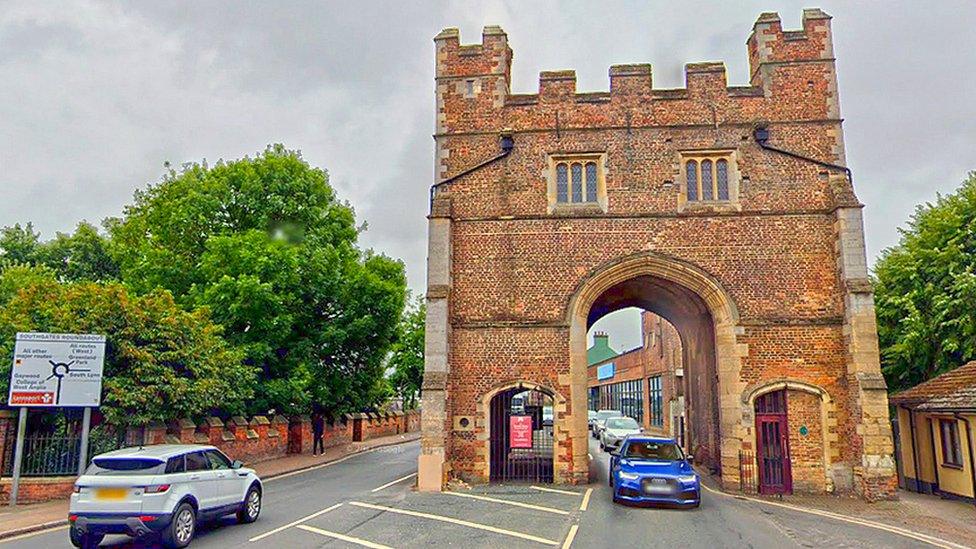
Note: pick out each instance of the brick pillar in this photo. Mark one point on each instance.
(433, 467)
(872, 464)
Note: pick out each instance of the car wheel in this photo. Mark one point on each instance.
(180, 531)
(252, 506)
(84, 541)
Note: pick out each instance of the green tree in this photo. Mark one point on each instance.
(407, 354)
(79, 256)
(925, 290)
(19, 244)
(161, 362)
(265, 244)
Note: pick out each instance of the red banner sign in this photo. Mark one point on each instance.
(520, 431)
(31, 397)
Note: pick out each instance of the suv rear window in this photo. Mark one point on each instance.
(125, 466)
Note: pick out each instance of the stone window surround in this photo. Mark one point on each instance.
(734, 179)
(600, 158)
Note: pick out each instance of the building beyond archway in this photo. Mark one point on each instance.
(553, 209)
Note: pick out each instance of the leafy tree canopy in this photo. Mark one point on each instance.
(161, 362)
(925, 291)
(407, 354)
(266, 246)
(72, 257)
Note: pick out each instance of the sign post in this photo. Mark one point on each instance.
(83, 454)
(18, 454)
(54, 371)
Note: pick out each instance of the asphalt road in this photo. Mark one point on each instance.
(356, 503)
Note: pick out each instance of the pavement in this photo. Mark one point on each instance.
(368, 500)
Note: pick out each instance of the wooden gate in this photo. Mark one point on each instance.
(773, 445)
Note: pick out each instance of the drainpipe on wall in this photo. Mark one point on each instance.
(911, 429)
(972, 458)
(507, 143)
(761, 135)
(935, 466)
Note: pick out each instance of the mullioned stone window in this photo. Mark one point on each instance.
(577, 181)
(709, 180)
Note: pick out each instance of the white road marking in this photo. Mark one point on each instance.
(554, 491)
(571, 536)
(296, 523)
(35, 533)
(586, 499)
(507, 502)
(931, 540)
(391, 483)
(343, 537)
(459, 522)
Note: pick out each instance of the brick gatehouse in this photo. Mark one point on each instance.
(724, 209)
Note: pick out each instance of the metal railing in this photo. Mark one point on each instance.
(748, 483)
(50, 455)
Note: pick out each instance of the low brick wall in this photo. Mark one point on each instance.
(37, 489)
(251, 441)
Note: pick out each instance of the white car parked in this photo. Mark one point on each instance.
(163, 490)
(615, 430)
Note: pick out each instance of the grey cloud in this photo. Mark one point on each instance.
(95, 97)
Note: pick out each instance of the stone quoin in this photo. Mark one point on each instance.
(551, 210)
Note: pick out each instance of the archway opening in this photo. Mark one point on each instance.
(521, 436)
(686, 311)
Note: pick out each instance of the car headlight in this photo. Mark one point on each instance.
(629, 476)
(688, 479)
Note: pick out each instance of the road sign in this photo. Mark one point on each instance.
(53, 370)
(520, 431)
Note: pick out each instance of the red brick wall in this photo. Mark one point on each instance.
(36, 490)
(806, 452)
(516, 266)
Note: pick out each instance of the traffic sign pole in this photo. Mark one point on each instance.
(85, 427)
(18, 454)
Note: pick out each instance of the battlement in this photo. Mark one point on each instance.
(470, 69)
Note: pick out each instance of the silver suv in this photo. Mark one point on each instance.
(162, 490)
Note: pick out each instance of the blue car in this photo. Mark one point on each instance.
(649, 469)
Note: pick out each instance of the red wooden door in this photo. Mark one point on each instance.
(772, 437)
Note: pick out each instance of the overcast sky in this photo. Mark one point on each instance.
(95, 97)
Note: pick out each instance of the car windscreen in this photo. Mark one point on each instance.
(659, 451)
(125, 466)
(604, 414)
(622, 423)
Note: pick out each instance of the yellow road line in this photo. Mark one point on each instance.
(32, 534)
(508, 502)
(343, 537)
(571, 536)
(586, 499)
(931, 540)
(459, 522)
(388, 484)
(295, 523)
(554, 491)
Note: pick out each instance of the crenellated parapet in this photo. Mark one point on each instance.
(791, 78)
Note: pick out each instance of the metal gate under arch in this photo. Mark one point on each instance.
(523, 452)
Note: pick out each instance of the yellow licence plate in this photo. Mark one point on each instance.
(111, 493)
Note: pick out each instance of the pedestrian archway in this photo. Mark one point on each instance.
(521, 435)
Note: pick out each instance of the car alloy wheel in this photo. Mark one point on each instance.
(184, 526)
(253, 504)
